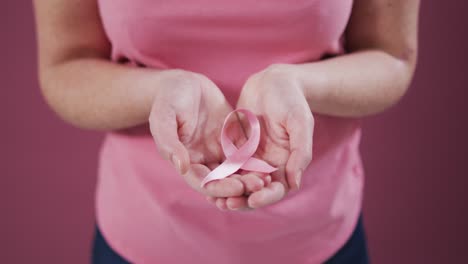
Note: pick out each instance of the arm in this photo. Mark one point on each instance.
(185, 110)
(382, 40)
(77, 79)
(374, 75)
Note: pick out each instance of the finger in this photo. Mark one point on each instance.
(300, 126)
(194, 176)
(212, 165)
(252, 182)
(268, 195)
(267, 180)
(280, 176)
(226, 187)
(164, 127)
(236, 176)
(211, 200)
(221, 204)
(238, 203)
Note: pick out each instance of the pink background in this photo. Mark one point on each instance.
(415, 156)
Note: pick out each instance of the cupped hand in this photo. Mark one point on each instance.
(185, 121)
(287, 124)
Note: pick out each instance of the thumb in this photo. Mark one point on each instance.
(164, 129)
(300, 125)
(180, 158)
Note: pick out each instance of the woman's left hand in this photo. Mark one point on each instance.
(287, 124)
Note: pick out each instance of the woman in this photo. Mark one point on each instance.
(309, 69)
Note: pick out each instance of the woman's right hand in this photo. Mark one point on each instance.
(186, 120)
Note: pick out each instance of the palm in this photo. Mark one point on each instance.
(203, 143)
(274, 148)
(186, 121)
(286, 133)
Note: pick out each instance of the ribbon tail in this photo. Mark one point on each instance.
(226, 169)
(257, 165)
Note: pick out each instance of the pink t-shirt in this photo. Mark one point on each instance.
(148, 214)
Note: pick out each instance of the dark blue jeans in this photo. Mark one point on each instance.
(353, 252)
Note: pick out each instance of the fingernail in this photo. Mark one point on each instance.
(298, 178)
(176, 162)
(222, 208)
(231, 208)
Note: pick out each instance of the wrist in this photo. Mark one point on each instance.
(154, 83)
(313, 84)
(285, 76)
(170, 81)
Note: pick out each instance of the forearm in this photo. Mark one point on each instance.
(355, 84)
(97, 94)
(381, 38)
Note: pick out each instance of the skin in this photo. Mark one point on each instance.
(381, 39)
(87, 90)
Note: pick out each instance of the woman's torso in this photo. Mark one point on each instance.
(146, 210)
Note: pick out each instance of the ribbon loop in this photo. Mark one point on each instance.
(239, 158)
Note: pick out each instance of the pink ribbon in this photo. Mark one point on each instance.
(239, 158)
